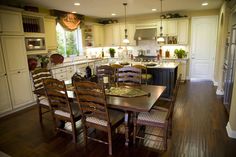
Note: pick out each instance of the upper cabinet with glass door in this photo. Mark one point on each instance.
(10, 23)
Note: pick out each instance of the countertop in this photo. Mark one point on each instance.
(167, 65)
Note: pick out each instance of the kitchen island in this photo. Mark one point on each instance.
(164, 74)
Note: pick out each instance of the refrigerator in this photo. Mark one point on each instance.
(229, 67)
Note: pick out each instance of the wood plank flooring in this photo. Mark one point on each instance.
(198, 131)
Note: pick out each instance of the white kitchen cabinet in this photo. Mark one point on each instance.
(11, 23)
(108, 35)
(59, 73)
(98, 34)
(20, 88)
(130, 32)
(171, 27)
(164, 28)
(182, 68)
(17, 70)
(14, 53)
(69, 72)
(112, 35)
(5, 101)
(183, 31)
(116, 35)
(50, 33)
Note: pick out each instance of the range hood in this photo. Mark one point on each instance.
(145, 34)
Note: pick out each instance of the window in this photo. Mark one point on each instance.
(69, 43)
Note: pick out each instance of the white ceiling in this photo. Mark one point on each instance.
(104, 8)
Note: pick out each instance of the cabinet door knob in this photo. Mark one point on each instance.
(18, 72)
(5, 74)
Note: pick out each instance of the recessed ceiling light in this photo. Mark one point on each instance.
(77, 4)
(154, 9)
(204, 4)
(73, 12)
(113, 14)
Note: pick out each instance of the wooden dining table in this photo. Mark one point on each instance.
(128, 104)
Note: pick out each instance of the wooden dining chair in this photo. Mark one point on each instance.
(158, 117)
(129, 76)
(116, 67)
(95, 114)
(105, 73)
(61, 108)
(42, 102)
(146, 78)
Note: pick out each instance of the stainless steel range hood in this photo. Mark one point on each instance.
(145, 34)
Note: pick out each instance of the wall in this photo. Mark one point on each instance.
(231, 127)
(222, 35)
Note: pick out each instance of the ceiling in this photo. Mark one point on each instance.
(104, 8)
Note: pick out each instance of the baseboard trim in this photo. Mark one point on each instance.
(17, 109)
(219, 92)
(231, 133)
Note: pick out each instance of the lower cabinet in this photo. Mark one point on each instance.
(182, 69)
(20, 88)
(5, 100)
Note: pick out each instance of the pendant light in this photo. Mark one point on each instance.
(126, 40)
(161, 38)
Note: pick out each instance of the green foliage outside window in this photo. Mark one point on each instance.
(67, 43)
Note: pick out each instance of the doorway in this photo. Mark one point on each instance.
(203, 47)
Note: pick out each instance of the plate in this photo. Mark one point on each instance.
(56, 58)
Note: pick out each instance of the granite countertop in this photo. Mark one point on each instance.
(170, 65)
(66, 64)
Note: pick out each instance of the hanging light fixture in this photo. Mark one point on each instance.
(126, 40)
(161, 38)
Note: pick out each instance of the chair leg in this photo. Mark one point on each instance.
(85, 135)
(135, 127)
(165, 136)
(109, 142)
(74, 133)
(40, 112)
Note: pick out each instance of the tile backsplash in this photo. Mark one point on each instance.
(149, 46)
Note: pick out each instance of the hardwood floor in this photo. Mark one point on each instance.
(198, 131)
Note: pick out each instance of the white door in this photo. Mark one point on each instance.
(203, 47)
(20, 88)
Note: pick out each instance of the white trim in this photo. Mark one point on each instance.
(215, 83)
(219, 91)
(231, 133)
(17, 109)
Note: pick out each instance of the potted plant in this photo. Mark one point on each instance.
(44, 60)
(180, 53)
(112, 52)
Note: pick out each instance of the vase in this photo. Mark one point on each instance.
(44, 65)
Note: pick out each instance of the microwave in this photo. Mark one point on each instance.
(35, 43)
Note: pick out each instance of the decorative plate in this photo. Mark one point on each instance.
(56, 58)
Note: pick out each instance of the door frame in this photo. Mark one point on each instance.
(216, 17)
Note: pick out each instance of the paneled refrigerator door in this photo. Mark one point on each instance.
(5, 101)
